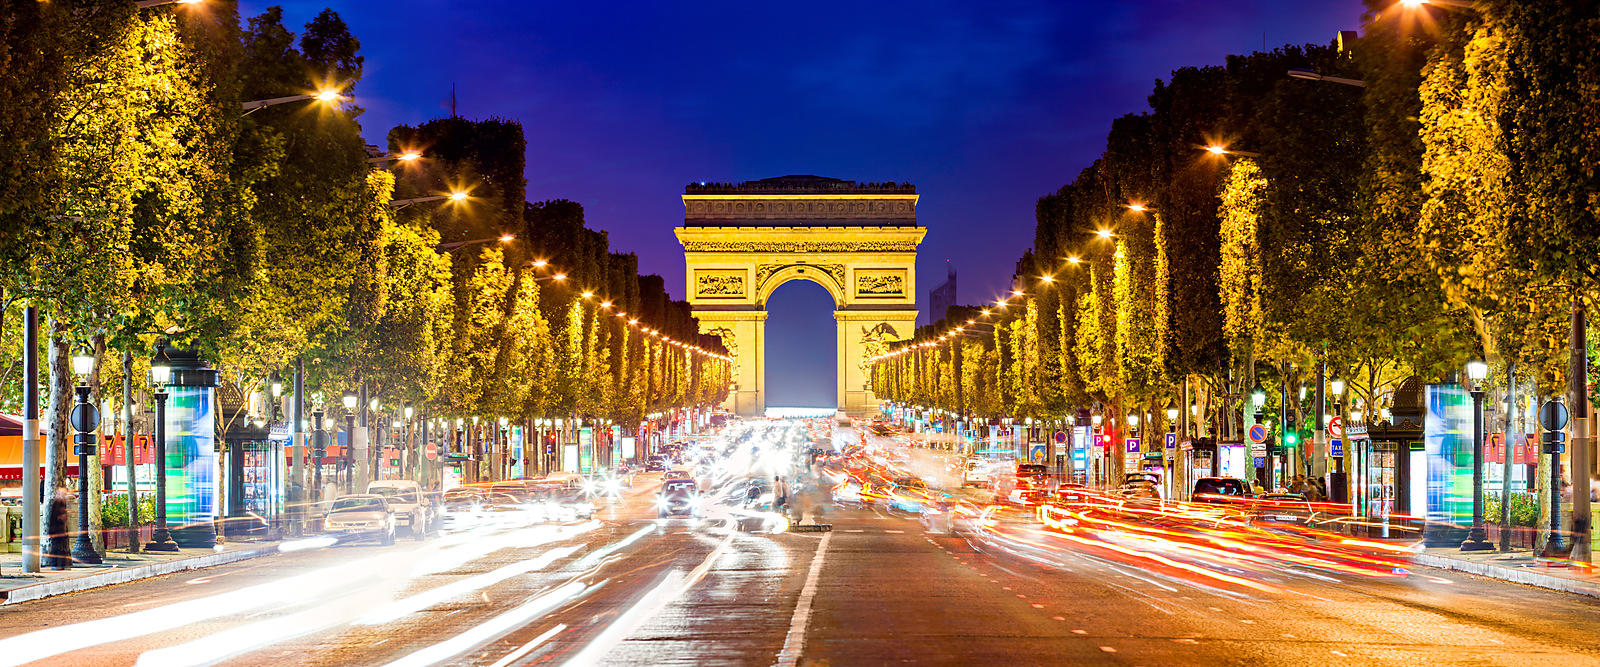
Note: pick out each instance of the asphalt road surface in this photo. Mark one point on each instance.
(628, 589)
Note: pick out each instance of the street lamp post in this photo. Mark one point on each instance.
(85, 419)
(319, 449)
(350, 400)
(1476, 540)
(160, 375)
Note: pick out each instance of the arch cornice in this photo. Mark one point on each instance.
(830, 277)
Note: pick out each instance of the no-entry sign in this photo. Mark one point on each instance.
(431, 451)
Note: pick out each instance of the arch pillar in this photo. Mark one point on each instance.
(864, 333)
(744, 332)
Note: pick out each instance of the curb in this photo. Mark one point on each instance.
(76, 584)
(1512, 574)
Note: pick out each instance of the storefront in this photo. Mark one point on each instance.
(1388, 461)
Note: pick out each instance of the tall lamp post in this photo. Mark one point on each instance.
(319, 449)
(85, 419)
(1476, 540)
(350, 400)
(160, 375)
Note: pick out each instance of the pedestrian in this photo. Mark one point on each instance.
(59, 557)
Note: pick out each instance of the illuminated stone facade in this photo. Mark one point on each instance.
(859, 242)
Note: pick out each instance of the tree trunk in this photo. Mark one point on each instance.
(57, 434)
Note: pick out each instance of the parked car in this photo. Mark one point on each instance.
(412, 510)
(361, 516)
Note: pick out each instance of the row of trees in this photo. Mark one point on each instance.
(137, 202)
(1446, 211)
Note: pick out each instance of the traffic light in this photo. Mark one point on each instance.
(1291, 438)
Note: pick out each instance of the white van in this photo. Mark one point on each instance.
(411, 509)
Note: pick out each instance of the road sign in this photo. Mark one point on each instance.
(1258, 433)
(1172, 441)
(1258, 449)
(1553, 416)
(85, 417)
(1060, 437)
(1336, 427)
(431, 451)
(1133, 445)
(1336, 448)
(1260, 461)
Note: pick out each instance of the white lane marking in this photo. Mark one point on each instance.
(525, 648)
(896, 532)
(795, 641)
(854, 530)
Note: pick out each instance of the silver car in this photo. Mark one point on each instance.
(361, 516)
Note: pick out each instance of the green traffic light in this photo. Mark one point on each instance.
(1289, 439)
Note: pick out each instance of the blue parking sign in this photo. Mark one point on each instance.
(1261, 462)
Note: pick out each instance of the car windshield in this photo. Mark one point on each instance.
(357, 505)
(1225, 487)
(678, 487)
(399, 495)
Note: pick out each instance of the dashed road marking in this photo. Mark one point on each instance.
(1108, 649)
(1080, 632)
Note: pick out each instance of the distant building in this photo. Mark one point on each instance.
(941, 298)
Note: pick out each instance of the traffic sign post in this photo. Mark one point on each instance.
(1553, 418)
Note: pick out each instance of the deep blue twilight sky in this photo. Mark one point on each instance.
(985, 106)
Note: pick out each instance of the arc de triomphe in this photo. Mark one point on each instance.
(858, 241)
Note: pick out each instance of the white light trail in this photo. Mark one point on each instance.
(494, 627)
(400, 608)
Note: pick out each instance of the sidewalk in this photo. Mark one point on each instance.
(119, 567)
(1519, 566)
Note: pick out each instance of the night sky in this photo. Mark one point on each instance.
(984, 106)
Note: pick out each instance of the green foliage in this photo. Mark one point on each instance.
(114, 510)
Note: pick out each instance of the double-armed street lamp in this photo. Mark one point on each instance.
(160, 375)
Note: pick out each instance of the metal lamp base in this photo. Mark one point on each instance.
(83, 551)
(161, 540)
(1476, 541)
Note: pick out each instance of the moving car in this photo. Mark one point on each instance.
(655, 464)
(361, 516)
(1140, 488)
(1289, 508)
(678, 497)
(975, 473)
(1221, 490)
(412, 511)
